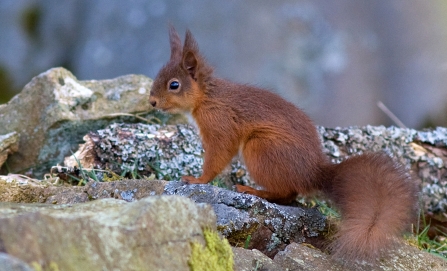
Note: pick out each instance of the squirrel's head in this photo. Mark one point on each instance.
(180, 84)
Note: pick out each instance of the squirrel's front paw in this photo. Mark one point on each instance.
(192, 180)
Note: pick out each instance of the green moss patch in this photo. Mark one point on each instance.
(216, 255)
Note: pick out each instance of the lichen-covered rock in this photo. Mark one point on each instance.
(55, 110)
(154, 233)
(9, 144)
(422, 152)
(167, 151)
(172, 151)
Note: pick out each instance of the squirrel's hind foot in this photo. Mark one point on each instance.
(268, 195)
(193, 180)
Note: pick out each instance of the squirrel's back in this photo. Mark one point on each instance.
(255, 108)
(272, 134)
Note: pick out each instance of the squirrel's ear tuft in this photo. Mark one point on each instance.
(190, 63)
(176, 43)
(190, 42)
(190, 59)
(193, 61)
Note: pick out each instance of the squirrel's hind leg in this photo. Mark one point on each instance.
(270, 196)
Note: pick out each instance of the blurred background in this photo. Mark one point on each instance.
(334, 59)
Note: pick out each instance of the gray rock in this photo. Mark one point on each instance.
(154, 233)
(243, 219)
(55, 110)
(255, 222)
(301, 257)
(237, 217)
(8, 145)
(10, 263)
(20, 188)
(253, 259)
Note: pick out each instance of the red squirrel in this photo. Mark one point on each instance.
(282, 152)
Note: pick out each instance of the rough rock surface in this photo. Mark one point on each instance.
(248, 220)
(422, 152)
(301, 257)
(55, 110)
(108, 234)
(16, 188)
(253, 259)
(238, 215)
(10, 263)
(8, 145)
(267, 227)
(114, 229)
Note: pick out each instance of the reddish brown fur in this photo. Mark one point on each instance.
(282, 152)
(377, 200)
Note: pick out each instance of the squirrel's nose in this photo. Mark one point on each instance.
(153, 103)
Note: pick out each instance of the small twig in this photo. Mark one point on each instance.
(71, 169)
(51, 179)
(20, 175)
(19, 178)
(390, 115)
(154, 119)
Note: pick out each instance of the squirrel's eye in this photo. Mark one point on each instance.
(174, 85)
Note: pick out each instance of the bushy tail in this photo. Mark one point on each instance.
(377, 200)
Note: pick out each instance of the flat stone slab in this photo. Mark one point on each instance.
(154, 233)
